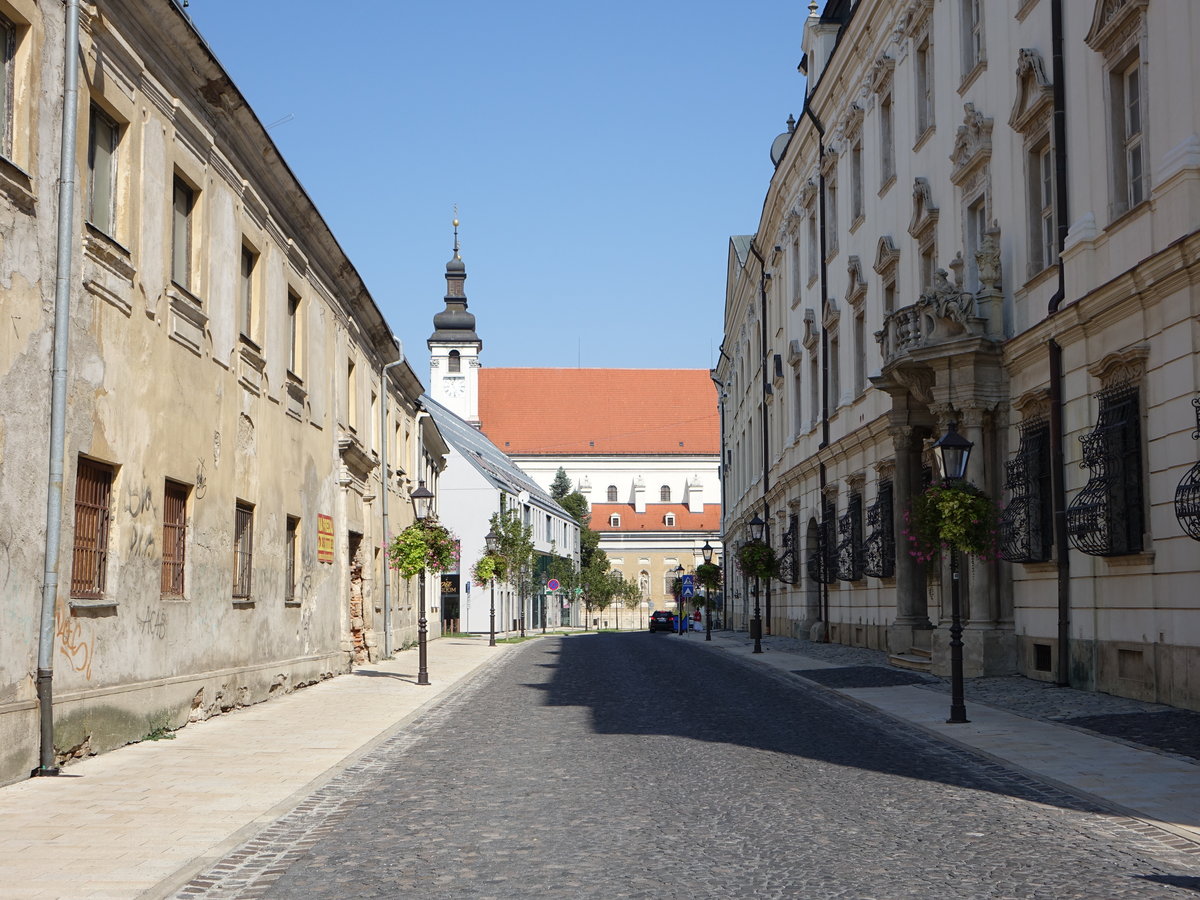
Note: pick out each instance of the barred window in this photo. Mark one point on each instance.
(787, 563)
(93, 494)
(243, 550)
(1026, 525)
(1106, 518)
(664, 493)
(174, 538)
(879, 556)
(291, 547)
(850, 541)
(612, 493)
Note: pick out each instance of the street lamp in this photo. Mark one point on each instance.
(492, 541)
(679, 598)
(421, 499)
(954, 450)
(756, 533)
(706, 551)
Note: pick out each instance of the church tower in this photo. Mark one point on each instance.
(454, 347)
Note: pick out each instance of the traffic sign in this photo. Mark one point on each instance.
(689, 587)
(553, 585)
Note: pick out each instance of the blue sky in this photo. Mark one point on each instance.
(600, 156)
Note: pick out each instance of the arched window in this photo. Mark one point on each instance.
(612, 493)
(454, 364)
(664, 493)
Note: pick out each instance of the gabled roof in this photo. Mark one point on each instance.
(486, 458)
(652, 518)
(741, 246)
(594, 412)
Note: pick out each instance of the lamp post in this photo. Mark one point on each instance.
(421, 499)
(954, 450)
(679, 598)
(756, 533)
(707, 552)
(492, 541)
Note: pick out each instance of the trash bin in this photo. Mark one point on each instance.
(755, 630)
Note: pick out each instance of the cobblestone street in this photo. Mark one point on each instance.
(640, 765)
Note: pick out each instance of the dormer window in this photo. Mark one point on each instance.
(669, 520)
(614, 521)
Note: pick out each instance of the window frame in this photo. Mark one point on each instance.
(291, 550)
(8, 70)
(247, 275)
(92, 528)
(96, 114)
(182, 222)
(243, 552)
(923, 101)
(173, 583)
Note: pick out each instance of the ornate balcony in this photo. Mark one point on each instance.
(943, 314)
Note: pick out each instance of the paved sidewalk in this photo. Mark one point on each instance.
(1156, 787)
(142, 820)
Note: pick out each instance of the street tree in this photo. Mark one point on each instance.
(515, 549)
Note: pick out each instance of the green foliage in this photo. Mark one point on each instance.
(423, 545)
(561, 486)
(629, 594)
(514, 551)
(486, 568)
(709, 575)
(757, 559)
(954, 515)
(161, 733)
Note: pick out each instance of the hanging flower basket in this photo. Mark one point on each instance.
(757, 559)
(709, 575)
(486, 568)
(423, 545)
(955, 516)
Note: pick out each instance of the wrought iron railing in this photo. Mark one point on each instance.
(787, 565)
(1026, 531)
(879, 549)
(1106, 517)
(850, 541)
(1187, 495)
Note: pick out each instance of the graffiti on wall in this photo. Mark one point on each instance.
(76, 645)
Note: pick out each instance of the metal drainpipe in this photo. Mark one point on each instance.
(764, 403)
(1054, 351)
(821, 213)
(58, 395)
(383, 503)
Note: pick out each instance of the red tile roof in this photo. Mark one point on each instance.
(652, 518)
(600, 411)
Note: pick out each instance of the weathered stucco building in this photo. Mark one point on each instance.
(227, 406)
(986, 214)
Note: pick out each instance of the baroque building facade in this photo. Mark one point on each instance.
(930, 252)
(236, 414)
